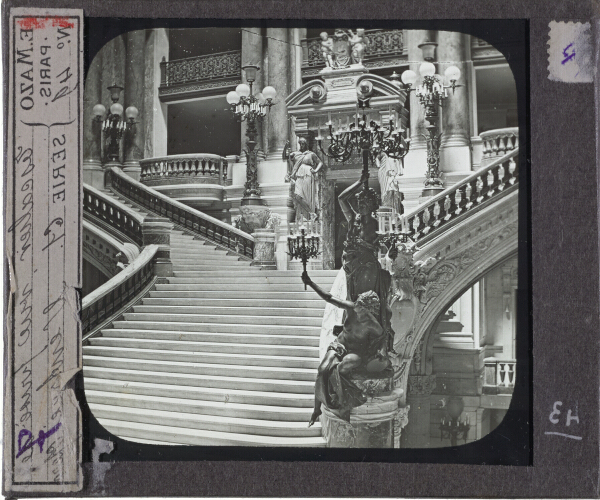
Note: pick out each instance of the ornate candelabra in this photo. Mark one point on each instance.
(454, 428)
(431, 94)
(113, 126)
(365, 135)
(301, 245)
(251, 108)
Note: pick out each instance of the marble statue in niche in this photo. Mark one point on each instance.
(388, 173)
(304, 168)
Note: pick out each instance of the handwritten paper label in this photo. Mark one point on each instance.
(42, 448)
(570, 52)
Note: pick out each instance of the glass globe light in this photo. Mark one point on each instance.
(99, 110)
(452, 73)
(243, 90)
(260, 98)
(233, 97)
(116, 109)
(409, 77)
(427, 69)
(131, 113)
(269, 92)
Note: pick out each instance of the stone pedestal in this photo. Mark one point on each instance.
(264, 248)
(157, 231)
(373, 424)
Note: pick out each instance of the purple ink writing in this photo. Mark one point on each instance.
(42, 436)
(568, 55)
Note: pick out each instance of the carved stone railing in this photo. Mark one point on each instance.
(112, 215)
(102, 306)
(478, 189)
(499, 375)
(497, 143)
(194, 74)
(184, 169)
(181, 215)
(382, 48)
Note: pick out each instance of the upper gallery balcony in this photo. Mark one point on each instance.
(206, 75)
(383, 49)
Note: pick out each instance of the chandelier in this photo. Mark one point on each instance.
(365, 135)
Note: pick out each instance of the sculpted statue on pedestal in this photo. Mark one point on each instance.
(358, 46)
(361, 344)
(305, 165)
(327, 49)
(359, 259)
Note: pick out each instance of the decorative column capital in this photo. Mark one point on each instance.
(421, 385)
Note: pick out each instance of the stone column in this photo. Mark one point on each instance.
(157, 231)
(328, 202)
(296, 34)
(134, 96)
(92, 149)
(252, 53)
(417, 433)
(113, 73)
(278, 77)
(154, 112)
(415, 163)
(455, 152)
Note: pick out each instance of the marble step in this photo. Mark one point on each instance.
(221, 264)
(183, 326)
(253, 271)
(228, 395)
(245, 320)
(186, 290)
(214, 408)
(193, 283)
(177, 435)
(207, 382)
(207, 357)
(220, 369)
(206, 347)
(225, 424)
(171, 298)
(228, 338)
(250, 279)
(160, 307)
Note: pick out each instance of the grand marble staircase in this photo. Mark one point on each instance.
(222, 354)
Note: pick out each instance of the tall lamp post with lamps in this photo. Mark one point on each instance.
(113, 125)
(431, 93)
(251, 108)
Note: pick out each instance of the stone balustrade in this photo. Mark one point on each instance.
(499, 375)
(111, 299)
(480, 188)
(496, 143)
(183, 216)
(200, 168)
(112, 215)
